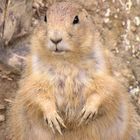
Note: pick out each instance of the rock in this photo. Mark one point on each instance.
(2, 107)
(16, 19)
(2, 118)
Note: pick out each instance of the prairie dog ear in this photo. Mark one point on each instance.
(83, 10)
(86, 14)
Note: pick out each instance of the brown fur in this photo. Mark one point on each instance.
(75, 85)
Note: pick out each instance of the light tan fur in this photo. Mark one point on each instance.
(70, 94)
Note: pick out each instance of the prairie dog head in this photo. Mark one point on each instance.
(66, 33)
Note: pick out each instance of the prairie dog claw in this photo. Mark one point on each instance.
(54, 121)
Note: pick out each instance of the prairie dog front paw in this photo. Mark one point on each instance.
(52, 118)
(90, 109)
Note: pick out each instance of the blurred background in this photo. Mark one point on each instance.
(118, 22)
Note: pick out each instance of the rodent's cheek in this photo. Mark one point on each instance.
(64, 45)
(50, 46)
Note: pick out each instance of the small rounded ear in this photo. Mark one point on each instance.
(85, 12)
(86, 15)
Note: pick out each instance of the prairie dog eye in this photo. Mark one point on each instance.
(76, 20)
(45, 18)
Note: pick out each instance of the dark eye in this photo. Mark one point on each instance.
(45, 18)
(76, 20)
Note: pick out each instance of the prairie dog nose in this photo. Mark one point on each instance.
(56, 41)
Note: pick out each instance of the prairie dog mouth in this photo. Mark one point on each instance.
(57, 51)
(60, 51)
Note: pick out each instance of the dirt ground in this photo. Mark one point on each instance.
(119, 25)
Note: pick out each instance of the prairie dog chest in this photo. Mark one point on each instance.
(68, 81)
(69, 88)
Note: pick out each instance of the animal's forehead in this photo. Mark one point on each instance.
(63, 10)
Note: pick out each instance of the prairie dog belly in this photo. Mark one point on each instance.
(69, 93)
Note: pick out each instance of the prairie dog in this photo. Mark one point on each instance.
(68, 92)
